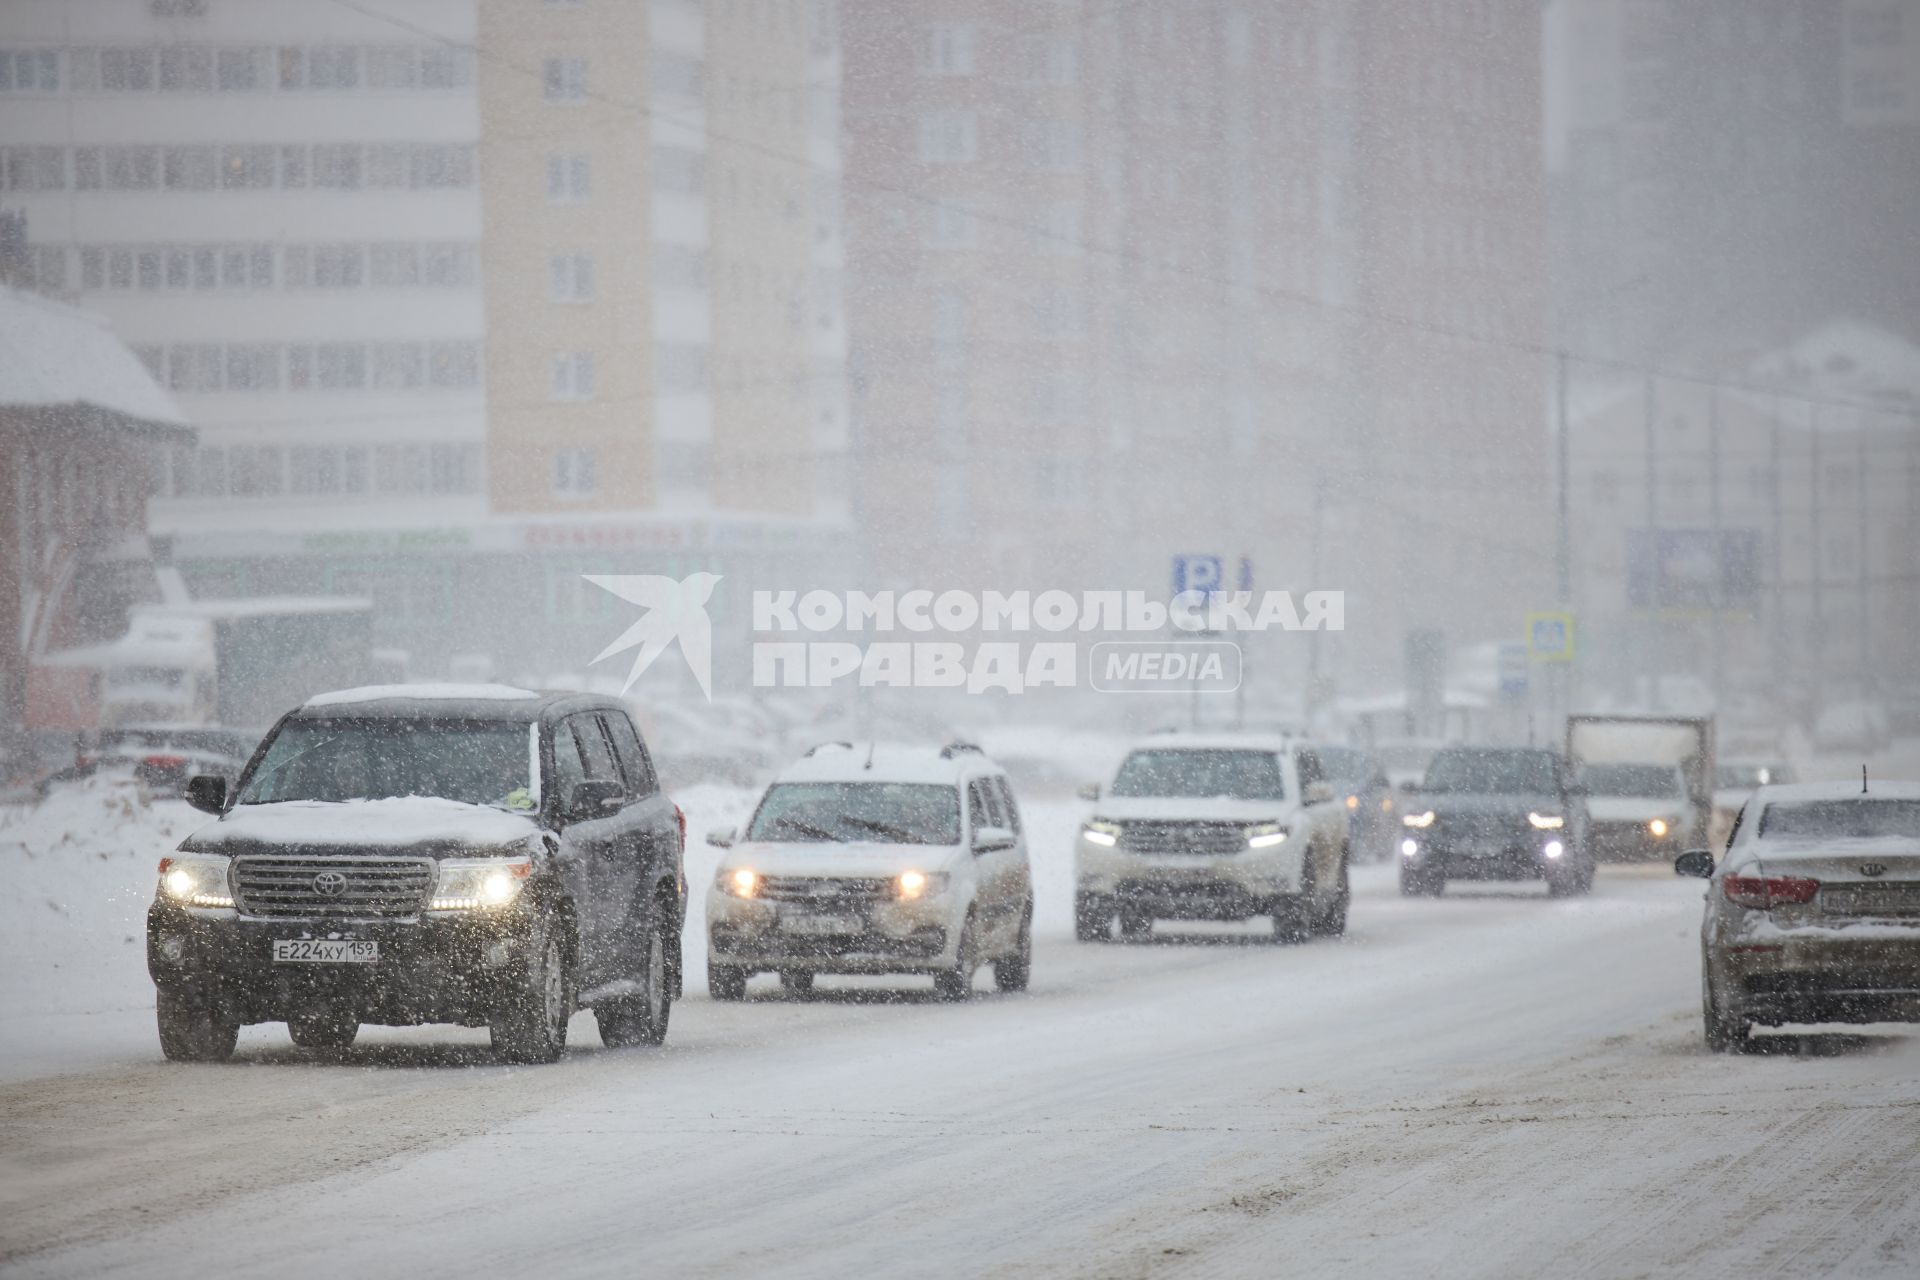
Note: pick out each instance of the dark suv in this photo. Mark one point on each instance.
(1495, 813)
(477, 855)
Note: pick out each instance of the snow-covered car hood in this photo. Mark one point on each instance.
(1635, 808)
(1192, 809)
(813, 858)
(421, 824)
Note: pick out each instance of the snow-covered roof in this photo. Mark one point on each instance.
(832, 762)
(1790, 792)
(423, 693)
(52, 355)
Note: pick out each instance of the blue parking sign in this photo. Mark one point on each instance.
(1550, 637)
(1199, 573)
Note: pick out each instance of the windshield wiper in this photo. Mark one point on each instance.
(804, 828)
(884, 829)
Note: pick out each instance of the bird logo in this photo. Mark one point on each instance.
(675, 610)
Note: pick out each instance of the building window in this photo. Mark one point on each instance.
(951, 227)
(565, 79)
(398, 366)
(1051, 60)
(569, 177)
(948, 137)
(333, 67)
(573, 376)
(1053, 144)
(453, 364)
(572, 473)
(29, 70)
(570, 277)
(337, 166)
(340, 366)
(253, 367)
(33, 168)
(946, 49)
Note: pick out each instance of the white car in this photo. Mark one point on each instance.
(875, 859)
(1638, 810)
(1216, 827)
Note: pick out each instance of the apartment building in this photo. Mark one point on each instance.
(277, 204)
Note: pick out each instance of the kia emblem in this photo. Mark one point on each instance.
(330, 884)
(1873, 868)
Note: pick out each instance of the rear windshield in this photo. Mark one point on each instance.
(1237, 775)
(1649, 781)
(1751, 775)
(1346, 765)
(844, 812)
(1515, 773)
(478, 761)
(1863, 819)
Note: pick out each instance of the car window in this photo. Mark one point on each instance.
(634, 761)
(834, 812)
(1011, 809)
(1859, 819)
(594, 751)
(978, 814)
(1200, 771)
(1492, 771)
(1307, 765)
(996, 808)
(477, 761)
(567, 769)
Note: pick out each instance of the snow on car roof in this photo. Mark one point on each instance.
(1849, 790)
(423, 693)
(835, 762)
(1214, 742)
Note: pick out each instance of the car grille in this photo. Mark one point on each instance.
(1900, 898)
(1477, 830)
(826, 890)
(304, 887)
(1202, 838)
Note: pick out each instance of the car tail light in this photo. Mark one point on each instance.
(680, 819)
(1764, 893)
(164, 762)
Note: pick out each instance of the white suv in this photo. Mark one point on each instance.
(1213, 828)
(875, 860)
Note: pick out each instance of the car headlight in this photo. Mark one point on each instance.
(1659, 828)
(1421, 820)
(741, 882)
(479, 884)
(909, 885)
(1266, 835)
(1353, 802)
(1546, 821)
(1104, 834)
(196, 881)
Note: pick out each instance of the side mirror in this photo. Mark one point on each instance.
(1319, 792)
(991, 839)
(1410, 786)
(1091, 791)
(1579, 790)
(594, 798)
(207, 792)
(1697, 863)
(721, 837)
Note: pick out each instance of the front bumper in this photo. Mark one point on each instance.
(922, 936)
(1819, 975)
(1507, 856)
(431, 969)
(1633, 842)
(1191, 886)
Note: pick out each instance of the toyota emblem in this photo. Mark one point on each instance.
(1873, 868)
(330, 884)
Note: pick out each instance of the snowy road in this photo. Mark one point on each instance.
(1490, 1084)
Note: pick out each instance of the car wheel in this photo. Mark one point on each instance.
(1011, 972)
(726, 982)
(641, 1019)
(1726, 1031)
(323, 1029)
(1135, 925)
(796, 982)
(532, 1024)
(957, 983)
(1333, 923)
(191, 1032)
(1092, 918)
(1292, 919)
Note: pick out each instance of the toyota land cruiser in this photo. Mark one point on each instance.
(478, 855)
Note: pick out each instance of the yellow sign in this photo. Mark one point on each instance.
(1550, 637)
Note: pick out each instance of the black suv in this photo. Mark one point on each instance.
(478, 855)
(1495, 813)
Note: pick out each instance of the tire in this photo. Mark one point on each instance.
(956, 984)
(1135, 925)
(1725, 1031)
(641, 1019)
(796, 982)
(531, 1025)
(193, 1033)
(1292, 919)
(1012, 972)
(1092, 918)
(1333, 924)
(726, 982)
(323, 1029)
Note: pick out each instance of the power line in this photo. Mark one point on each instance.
(853, 185)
